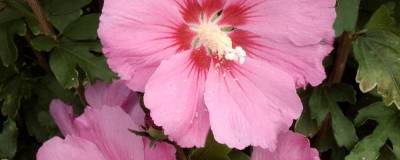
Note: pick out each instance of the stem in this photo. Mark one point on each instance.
(337, 75)
(48, 31)
(341, 58)
(41, 18)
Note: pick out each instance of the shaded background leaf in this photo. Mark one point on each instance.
(8, 139)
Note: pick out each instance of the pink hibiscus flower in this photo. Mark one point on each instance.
(232, 65)
(291, 146)
(102, 131)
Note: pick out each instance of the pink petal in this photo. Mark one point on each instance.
(291, 146)
(108, 128)
(293, 35)
(249, 100)
(72, 148)
(114, 94)
(160, 151)
(174, 95)
(63, 115)
(136, 112)
(137, 35)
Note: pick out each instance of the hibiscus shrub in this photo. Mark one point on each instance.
(50, 49)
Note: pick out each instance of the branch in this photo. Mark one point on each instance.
(41, 18)
(341, 58)
(336, 75)
(48, 31)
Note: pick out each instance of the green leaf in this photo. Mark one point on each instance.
(43, 43)
(64, 68)
(39, 123)
(383, 19)
(62, 13)
(61, 7)
(156, 134)
(12, 92)
(378, 55)
(68, 55)
(347, 15)
(63, 20)
(338, 154)
(85, 28)
(212, 150)
(37, 119)
(396, 13)
(8, 50)
(305, 124)
(323, 101)
(326, 142)
(8, 15)
(388, 129)
(18, 27)
(8, 139)
(238, 155)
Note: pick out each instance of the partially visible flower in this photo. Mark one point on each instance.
(232, 65)
(291, 146)
(102, 131)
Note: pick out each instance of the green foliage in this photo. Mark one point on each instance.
(8, 139)
(10, 25)
(323, 102)
(212, 150)
(378, 55)
(43, 43)
(85, 28)
(306, 124)
(59, 7)
(238, 155)
(347, 14)
(388, 129)
(354, 120)
(12, 92)
(69, 55)
(383, 19)
(36, 69)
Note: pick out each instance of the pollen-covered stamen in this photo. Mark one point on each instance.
(237, 54)
(211, 36)
(217, 41)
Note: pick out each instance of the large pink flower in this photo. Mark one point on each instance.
(232, 65)
(102, 131)
(291, 146)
